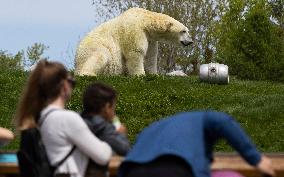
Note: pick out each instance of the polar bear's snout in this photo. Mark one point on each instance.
(185, 38)
(186, 42)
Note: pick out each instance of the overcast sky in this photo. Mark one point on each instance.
(59, 24)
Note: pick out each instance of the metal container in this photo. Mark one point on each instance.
(214, 73)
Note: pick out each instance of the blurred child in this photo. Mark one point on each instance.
(99, 101)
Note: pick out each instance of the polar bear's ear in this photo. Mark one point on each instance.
(169, 25)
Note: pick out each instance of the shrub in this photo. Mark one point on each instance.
(8, 61)
(254, 47)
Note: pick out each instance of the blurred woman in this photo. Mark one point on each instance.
(48, 89)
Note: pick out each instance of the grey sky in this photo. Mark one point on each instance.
(59, 24)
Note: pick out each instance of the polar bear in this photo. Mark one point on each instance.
(128, 44)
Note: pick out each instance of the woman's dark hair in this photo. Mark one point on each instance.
(96, 96)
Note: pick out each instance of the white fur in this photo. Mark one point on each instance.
(128, 43)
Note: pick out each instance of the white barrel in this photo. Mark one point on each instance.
(214, 73)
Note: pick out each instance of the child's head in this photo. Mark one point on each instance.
(100, 99)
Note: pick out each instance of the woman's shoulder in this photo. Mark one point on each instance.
(61, 115)
(69, 113)
(70, 119)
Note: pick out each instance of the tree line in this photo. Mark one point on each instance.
(23, 60)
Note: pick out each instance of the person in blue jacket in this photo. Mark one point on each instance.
(182, 146)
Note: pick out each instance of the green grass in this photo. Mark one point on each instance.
(257, 105)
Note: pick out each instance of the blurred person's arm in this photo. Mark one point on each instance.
(122, 129)
(119, 127)
(5, 136)
(222, 125)
(82, 137)
(265, 166)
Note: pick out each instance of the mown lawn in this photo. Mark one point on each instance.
(257, 105)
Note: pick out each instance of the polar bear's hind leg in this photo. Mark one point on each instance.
(95, 64)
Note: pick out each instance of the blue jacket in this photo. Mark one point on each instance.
(191, 136)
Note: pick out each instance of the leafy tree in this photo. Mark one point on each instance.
(35, 52)
(278, 11)
(8, 61)
(250, 43)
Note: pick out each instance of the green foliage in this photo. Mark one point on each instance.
(8, 61)
(250, 43)
(278, 11)
(11, 85)
(258, 106)
(18, 61)
(35, 52)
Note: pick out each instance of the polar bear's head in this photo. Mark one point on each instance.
(169, 30)
(177, 33)
(184, 37)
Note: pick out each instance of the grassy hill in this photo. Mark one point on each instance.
(258, 106)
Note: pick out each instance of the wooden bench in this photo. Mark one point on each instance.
(231, 161)
(223, 161)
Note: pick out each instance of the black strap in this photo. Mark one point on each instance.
(42, 119)
(60, 162)
(73, 148)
